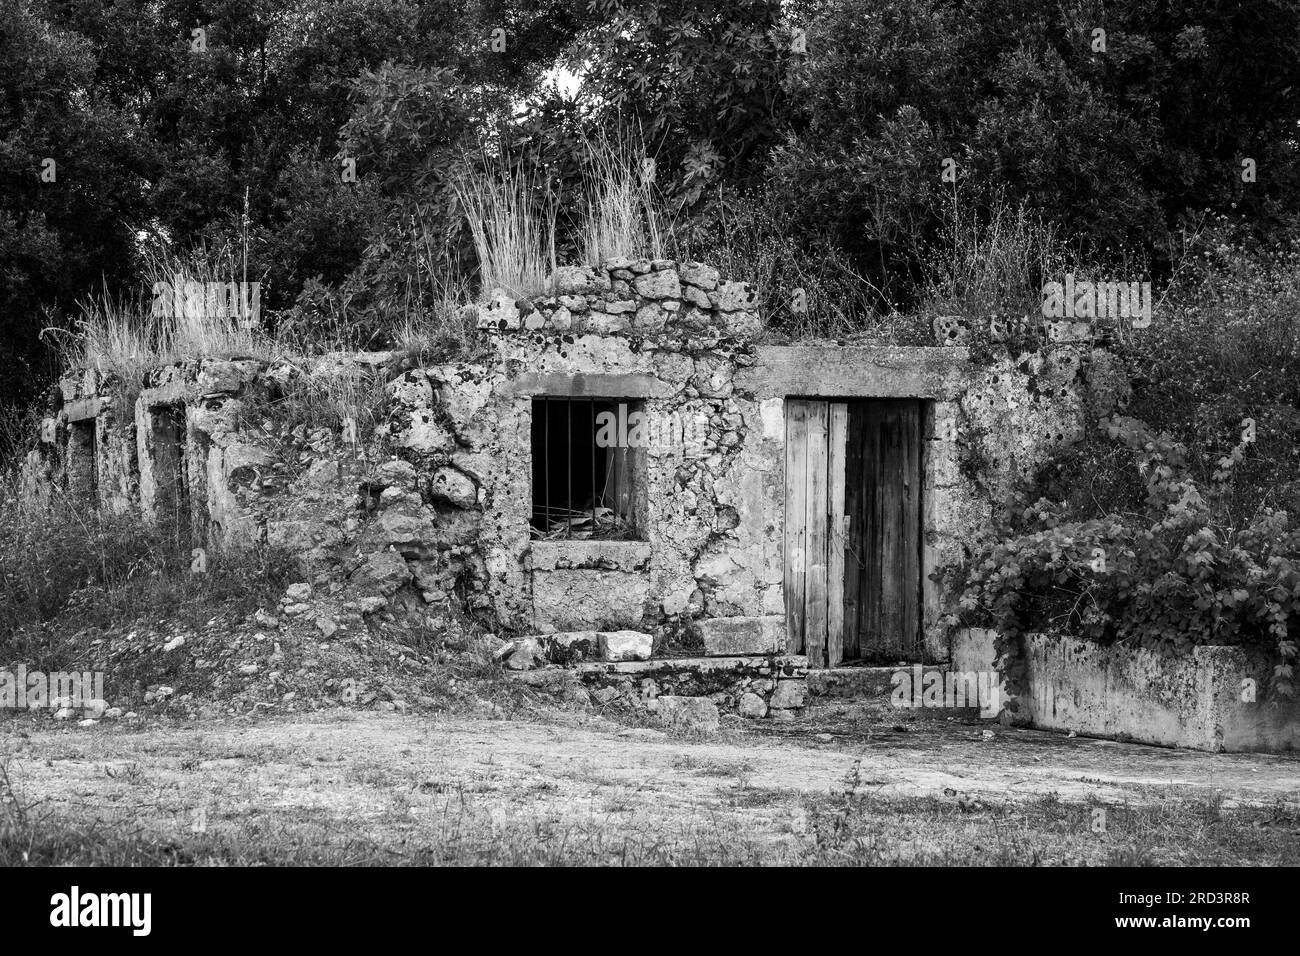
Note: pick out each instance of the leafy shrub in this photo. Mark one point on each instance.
(1177, 574)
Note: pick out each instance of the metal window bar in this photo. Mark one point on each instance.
(546, 467)
(613, 461)
(568, 462)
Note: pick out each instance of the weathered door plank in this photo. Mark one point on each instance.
(796, 513)
(892, 474)
(815, 581)
(835, 544)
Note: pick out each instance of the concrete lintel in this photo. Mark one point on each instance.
(584, 385)
(169, 394)
(837, 371)
(82, 409)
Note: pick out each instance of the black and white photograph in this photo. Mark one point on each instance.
(651, 433)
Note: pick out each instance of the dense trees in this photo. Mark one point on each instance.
(829, 120)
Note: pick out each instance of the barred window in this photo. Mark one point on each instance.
(588, 468)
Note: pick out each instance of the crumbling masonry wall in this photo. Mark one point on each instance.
(432, 505)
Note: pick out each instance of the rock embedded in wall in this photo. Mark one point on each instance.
(384, 571)
(454, 487)
(736, 297)
(658, 285)
(699, 275)
(624, 645)
(413, 422)
(217, 377)
(789, 695)
(395, 473)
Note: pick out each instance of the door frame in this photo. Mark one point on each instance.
(824, 422)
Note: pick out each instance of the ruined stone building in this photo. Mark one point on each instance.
(627, 471)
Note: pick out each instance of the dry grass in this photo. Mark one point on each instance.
(66, 565)
(336, 395)
(123, 338)
(625, 215)
(349, 787)
(511, 215)
(443, 332)
(993, 264)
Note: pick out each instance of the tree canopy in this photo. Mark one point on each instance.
(831, 121)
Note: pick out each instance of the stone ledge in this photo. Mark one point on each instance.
(857, 372)
(781, 665)
(753, 686)
(1213, 699)
(168, 394)
(628, 385)
(595, 555)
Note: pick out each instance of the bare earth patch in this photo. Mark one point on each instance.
(358, 786)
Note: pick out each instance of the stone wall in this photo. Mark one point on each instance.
(433, 505)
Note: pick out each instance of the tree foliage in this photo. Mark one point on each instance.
(825, 125)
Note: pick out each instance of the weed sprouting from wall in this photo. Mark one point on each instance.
(511, 214)
(349, 400)
(121, 338)
(992, 264)
(625, 213)
(447, 330)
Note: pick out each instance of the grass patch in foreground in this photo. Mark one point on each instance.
(455, 824)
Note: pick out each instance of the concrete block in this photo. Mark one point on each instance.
(736, 636)
(625, 645)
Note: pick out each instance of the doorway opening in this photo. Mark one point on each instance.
(853, 530)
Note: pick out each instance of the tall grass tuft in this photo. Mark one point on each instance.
(992, 262)
(511, 213)
(212, 331)
(625, 214)
(123, 338)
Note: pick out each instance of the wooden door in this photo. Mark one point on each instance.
(853, 530)
(886, 551)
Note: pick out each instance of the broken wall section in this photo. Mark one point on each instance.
(423, 495)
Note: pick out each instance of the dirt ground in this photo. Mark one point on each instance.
(360, 786)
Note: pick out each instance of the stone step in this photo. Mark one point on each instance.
(854, 681)
(919, 691)
(755, 686)
(766, 665)
(571, 647)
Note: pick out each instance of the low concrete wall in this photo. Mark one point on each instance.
(1212, 699)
